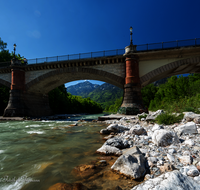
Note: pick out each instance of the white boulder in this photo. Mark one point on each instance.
(169, 181)
(130, 165)
(188, 128)
(163, 137)
(109, 150)
(116, 128)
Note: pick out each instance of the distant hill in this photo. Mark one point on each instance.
(82, 89)
(105, 94)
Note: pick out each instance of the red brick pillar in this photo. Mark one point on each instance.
(16, 106)
(132, 102)
(21, 103)
(17, 79)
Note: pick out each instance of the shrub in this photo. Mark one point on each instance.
(142, 116)
(168, 118)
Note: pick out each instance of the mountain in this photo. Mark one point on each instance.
(105, 94)
(82, 89)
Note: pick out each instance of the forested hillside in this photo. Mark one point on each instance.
(106, 95)
(176, 95)
(82, 89)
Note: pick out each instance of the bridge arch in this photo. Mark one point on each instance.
(188, 65)
(47, 82)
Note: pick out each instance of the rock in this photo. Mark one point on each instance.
(171, 158)
(104, 132)
(108, 137)
(157, 127)
(189, 142)
(132, 151)
(154, 115)
(169, 181)
(150, 118)
(154, 160)
(188, 128)
(130, 165)
(185, 160)
(84, 171)
(65, 186)
(191, 171)
(167, 167)
(116, 128)
(186, 153)
(163, 137)
(117, 142)
(172, 151)
(137, 130)
(190, 115)
(109, 150)
(197, 120)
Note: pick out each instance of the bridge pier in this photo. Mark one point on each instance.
(132, 101)
(20, 102)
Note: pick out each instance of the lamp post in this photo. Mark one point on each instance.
(14, 49)
(131, 29)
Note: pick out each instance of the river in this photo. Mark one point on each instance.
(38, 154)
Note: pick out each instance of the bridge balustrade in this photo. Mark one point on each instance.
(139, 48)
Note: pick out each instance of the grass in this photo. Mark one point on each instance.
(168, 118)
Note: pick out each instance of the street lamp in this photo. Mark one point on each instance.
(14, 49)
(131, 29)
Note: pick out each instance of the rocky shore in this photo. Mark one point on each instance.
(164, 156)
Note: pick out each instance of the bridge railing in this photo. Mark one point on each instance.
(168, 45)
(139, 48)
(77, 56)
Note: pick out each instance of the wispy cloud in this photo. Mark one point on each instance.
(35, 34)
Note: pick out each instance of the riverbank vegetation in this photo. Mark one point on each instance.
(178, 94)
(62, 102)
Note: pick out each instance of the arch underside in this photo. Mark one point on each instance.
(5, 83)
(53, 79)
(189, 65)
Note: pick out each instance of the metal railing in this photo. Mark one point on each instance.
(139, 48)
(77, 56)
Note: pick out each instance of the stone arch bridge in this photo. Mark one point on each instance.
(31, 83)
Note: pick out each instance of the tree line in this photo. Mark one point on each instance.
(178, 94)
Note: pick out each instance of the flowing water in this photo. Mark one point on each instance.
(38, 154)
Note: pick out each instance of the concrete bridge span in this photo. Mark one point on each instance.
(31, 83)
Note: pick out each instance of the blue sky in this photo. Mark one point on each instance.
(43, 28)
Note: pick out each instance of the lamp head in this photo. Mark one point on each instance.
(131, 29)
